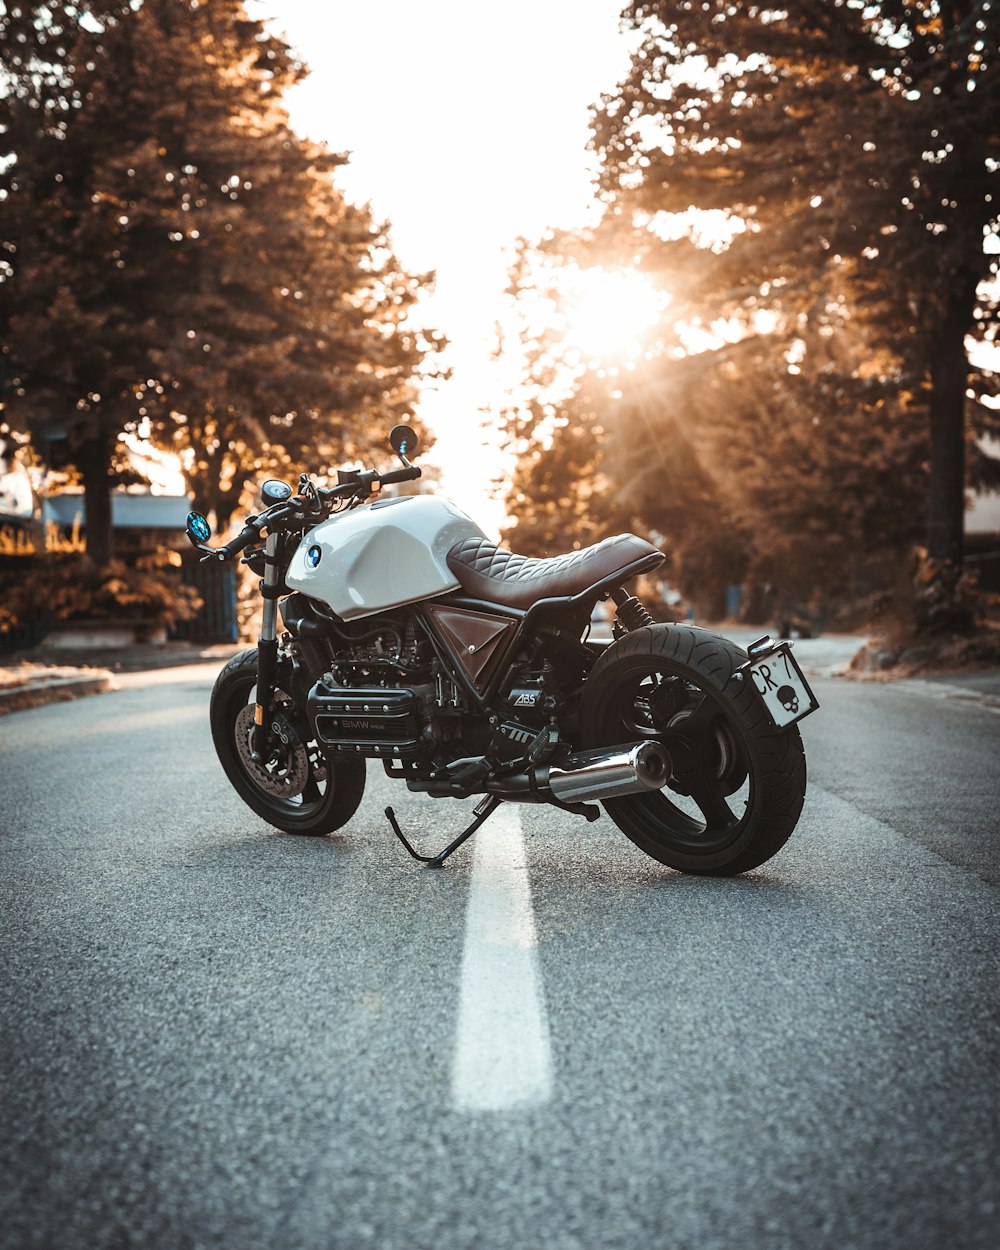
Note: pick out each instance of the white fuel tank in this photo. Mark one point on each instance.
(381, 555)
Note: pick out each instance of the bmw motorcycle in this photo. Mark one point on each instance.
(409, 639)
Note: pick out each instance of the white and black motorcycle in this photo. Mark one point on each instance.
(413, 640)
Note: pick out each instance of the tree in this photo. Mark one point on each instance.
(847, 146)
(559, 497)
(602, 429)
(179, 261)
(823, 472)
(752, 454)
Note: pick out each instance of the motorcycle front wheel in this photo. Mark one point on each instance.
(736, 784)
(297, 789)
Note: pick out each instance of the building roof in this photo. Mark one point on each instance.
(984, 515)
(16, 501)
(129, 510)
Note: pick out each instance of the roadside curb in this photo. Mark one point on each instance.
(55, 689)
(984, 699)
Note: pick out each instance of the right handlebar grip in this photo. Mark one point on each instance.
(400, 475)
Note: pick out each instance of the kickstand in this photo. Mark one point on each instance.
(483, 810)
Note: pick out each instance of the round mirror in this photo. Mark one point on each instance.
(197, 528)
(403, 440)
(274, 491)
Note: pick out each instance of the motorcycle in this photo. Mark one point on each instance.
(467, 671)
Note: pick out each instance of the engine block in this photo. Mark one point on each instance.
(375, 722)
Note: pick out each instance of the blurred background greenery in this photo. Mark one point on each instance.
(771, 346)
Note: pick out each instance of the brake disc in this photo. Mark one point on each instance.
(284, 775)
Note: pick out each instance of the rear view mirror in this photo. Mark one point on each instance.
(403, 440)
(197, 529)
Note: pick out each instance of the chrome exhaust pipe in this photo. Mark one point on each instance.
(608, 773)
(605, 773)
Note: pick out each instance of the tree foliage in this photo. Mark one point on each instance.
(750, 452)
(179, 261)
(559, 495)
(851, 144)
(817, 186)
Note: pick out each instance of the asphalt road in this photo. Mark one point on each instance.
(215, 1035)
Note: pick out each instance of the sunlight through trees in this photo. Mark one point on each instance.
(817, 189)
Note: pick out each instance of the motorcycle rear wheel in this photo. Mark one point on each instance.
(737, 784)
(298, 790)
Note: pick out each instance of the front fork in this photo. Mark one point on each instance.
(267, 651)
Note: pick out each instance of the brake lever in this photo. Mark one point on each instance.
(211, 553)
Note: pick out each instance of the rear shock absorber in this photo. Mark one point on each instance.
(629, 612)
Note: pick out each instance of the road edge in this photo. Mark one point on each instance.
(55, 689)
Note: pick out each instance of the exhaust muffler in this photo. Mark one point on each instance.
(608, 773)
(605, 773)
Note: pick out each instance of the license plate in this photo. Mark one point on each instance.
(781, 684)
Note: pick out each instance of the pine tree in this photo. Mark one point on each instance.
(179, 261)
(851, 147)
(559, 497)
(773, 458)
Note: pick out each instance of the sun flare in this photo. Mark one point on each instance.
(609, 312)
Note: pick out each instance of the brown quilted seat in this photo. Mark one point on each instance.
(487, 571)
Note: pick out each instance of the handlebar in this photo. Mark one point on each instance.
(228, 551)
(360, 487)
(399, 475)
(363, 483)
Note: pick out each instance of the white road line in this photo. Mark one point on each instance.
(503, 1057)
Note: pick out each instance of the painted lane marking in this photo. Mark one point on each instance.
(503, 1056)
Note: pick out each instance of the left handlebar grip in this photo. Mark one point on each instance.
(231, 549)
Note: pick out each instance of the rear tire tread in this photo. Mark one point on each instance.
(779, 757)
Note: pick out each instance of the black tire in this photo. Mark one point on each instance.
(675, 684)
(331, 793)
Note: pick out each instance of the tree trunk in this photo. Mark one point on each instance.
(949, 371)
(94, 462)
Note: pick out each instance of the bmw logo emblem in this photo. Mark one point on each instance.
(313, 556)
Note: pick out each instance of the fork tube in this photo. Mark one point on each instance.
(272, 577)
(267, 644)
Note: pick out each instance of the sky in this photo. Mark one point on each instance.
(467, 126)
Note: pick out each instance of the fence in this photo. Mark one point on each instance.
(216, 584)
